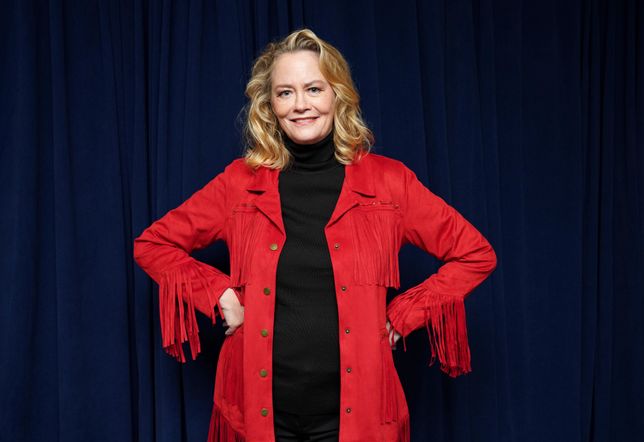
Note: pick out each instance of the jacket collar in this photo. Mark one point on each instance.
(358, 178)
(358, 184)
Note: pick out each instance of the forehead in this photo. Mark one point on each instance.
(296, 67)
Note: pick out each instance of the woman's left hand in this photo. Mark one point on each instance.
(393, 335)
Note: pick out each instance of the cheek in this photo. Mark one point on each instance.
(280, 115)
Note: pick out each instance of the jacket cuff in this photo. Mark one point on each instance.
(444, 320)
(183, 290)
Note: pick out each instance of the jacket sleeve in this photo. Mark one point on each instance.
(185, 284)
(438, 302)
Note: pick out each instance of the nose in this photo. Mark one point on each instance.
(301, 102)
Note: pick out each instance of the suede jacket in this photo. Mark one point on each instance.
(382, 206)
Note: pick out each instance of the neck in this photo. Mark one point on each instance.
(312, 157)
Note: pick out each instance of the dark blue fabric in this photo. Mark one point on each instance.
(525, 116)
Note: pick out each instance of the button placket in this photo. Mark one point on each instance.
(264, 332)
(347, 330)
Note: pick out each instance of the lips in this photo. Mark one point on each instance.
(304, 120)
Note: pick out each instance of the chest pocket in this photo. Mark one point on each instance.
(376, 229)
(245, 227)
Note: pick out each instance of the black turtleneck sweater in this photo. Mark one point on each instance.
(306, 354)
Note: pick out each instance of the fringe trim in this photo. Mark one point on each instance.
(404, 432)
(220, 429)
(229, 387)
(179, 322)
(448, 334)
(245, 230)
(445, 322)
(376, 233)
(389, 398)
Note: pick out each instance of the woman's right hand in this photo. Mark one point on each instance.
(232, 310)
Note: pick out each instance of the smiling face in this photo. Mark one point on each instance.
(302, 100)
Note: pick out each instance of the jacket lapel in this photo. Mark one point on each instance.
(358, 185)
(268, 200)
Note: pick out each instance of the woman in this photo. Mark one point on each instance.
(313, 222)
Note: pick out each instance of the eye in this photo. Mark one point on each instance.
(282, 94)
(315, 90)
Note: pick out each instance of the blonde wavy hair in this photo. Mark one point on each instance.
(262, 132)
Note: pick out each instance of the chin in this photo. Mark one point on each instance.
(307, 140)
(302, 138)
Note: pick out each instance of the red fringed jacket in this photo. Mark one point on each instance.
(382, 206)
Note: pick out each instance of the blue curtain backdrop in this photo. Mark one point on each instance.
(524, 115)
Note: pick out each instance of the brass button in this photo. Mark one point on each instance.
(348, 410)
(336, 245)
(264, 332)
(348, 369)
(267, 291)
(263, 372)
(344, 288)
(273, 246)
(346, 330)
(264, 411)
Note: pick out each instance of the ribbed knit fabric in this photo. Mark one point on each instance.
(306, 355)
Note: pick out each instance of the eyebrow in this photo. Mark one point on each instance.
(305, 84)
